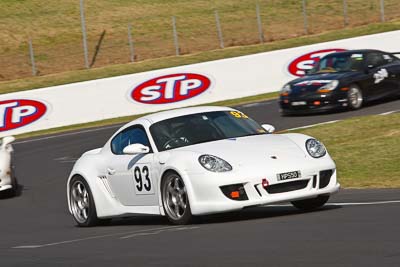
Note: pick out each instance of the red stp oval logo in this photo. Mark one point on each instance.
(17, 113)
(299, 66)
(171, 88)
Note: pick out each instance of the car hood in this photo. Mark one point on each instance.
(311, 83)
(324, 76)
(251, 150)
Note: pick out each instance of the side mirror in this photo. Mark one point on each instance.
(269, 128)
(7, 140)
(135, 149)
(369, 68)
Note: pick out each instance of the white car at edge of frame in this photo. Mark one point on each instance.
(196, 161)
(8, 181)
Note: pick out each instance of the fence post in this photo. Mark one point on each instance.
(131, 46)
(219, 30)
(84, 38)
(304, 4)
(32, 57)
(345, 16)
(382, 10)
(259, 23)
(175, 33)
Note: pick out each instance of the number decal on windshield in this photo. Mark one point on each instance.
(239, 115)
(143, 182)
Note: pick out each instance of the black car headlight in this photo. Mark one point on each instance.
(332, 85)
(315, 148)
(214, 164)
(286, 90)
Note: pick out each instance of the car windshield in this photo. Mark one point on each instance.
(339, 63)
(202, 127)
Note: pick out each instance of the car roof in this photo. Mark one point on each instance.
(164, 115)
(357, 51)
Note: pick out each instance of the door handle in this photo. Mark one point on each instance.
(110, 171)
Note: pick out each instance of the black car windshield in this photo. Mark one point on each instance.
(202, 127)
(339, 63)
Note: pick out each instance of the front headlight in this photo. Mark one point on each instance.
(329, 86)
(286, 90)
(214, 164)
(315, 148)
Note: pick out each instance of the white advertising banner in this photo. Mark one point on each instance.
(181, 86)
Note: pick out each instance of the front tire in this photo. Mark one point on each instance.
(311, 204)
(175, 199)
(82, 203)
(355, 97)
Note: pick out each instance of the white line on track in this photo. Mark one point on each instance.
(312, 125)
(93, 237)
(364, 203)
(68, 134)
(347, 203)
(107, 127)
(160, 231)
(389, 112)
(117, 126)
(255, 104)
(155, 231)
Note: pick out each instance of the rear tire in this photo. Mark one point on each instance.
(175, 199)
(82, 203)
(311, 204)
(14, 190)
(284, 113)
(355, 97)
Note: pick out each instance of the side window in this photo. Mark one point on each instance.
(132, 135)
(388, 58)
(375, 59)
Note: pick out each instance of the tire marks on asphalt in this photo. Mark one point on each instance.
(168, 229)
(125, 235)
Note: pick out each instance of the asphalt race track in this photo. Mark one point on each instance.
(356, 228)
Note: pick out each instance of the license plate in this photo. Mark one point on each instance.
(299, 103)
(288, 175)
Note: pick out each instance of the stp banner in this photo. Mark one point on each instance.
(182, 86)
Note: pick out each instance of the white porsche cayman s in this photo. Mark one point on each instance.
(196, 161)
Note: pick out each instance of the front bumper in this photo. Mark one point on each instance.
(5, 187)
(315, 103)
(5, 183)
(208, 198)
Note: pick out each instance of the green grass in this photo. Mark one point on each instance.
(54, 27)
(152, 64)
(365, 149)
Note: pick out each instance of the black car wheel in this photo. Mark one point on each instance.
(311, 204)
(284, 113)
(14, 189)
(355, 97)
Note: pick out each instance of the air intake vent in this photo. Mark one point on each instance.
(325, 178)
(286, 187)
(104, 179)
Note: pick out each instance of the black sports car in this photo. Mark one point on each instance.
(343, 80)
